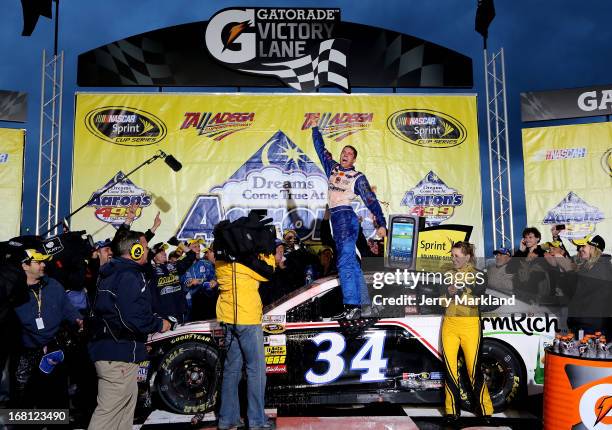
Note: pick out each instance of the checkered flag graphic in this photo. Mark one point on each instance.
(135, 61)
(328, 66)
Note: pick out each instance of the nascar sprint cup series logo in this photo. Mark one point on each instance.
(295, 45)
(427, 128)
(125, 126)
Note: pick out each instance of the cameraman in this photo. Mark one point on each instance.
(239, 310)
(122, 320)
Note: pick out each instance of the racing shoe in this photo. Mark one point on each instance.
(371, 311)
(350, 312)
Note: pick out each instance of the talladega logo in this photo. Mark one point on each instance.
(338, 126)
(125, 126)
(218, 125)
(578, 216)
(111, 207)
(427, 128)
(433, 199)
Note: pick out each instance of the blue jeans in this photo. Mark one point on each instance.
(245, 344)
(345, 226)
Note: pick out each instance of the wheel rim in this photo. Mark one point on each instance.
(190, 381)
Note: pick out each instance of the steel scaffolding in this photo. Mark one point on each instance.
(50, 143)
(499, 150)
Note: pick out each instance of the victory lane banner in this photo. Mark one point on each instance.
(12, 144)
(241, 152)
(568, 178)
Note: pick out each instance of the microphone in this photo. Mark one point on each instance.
(173, 163)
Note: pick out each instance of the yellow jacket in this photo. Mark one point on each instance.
(249, 307)
(469, 291)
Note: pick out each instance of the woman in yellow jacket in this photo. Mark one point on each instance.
(461, 327)
(239, 310)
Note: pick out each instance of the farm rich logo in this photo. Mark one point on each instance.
(340, 125)
(433, 199)
(427, 128)
(125, 126)
(218, 125)
(111, 207)
(295, 45)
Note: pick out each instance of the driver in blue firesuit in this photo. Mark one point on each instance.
(344, 184)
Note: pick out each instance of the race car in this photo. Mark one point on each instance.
(311, 359)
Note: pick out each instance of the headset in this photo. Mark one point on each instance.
(136, 251)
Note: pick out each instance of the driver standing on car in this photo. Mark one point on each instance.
(461, 328)
(122, 319)
(344, 184)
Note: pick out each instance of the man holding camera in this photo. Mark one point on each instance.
(122, 320)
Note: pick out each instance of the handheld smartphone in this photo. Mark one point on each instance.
(402, 239)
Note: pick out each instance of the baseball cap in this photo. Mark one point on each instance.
(326, 248)
(159, 247)
(554, 244)
(277, 243)
(34, 255)
(198, 240)
(102, 244)
(503, 251)
(597, 241)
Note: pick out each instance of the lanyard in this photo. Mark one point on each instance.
(38, 298)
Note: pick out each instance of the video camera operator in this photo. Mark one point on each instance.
(244, 258)
(122, 319)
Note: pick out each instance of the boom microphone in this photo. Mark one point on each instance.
(173, 163)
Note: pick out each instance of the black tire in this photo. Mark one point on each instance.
(504, 375)
(187, 378)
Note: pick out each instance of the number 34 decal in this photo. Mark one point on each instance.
(373, 365)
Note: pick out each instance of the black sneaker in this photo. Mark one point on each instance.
(350, 312)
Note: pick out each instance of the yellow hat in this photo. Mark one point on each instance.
(32, 254)
(198, 240)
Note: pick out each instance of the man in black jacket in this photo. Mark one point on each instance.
(168, 296)
(13, 292)
(122, 320)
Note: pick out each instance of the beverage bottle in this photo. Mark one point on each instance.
(309, 272)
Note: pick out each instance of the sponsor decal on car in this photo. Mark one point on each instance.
(274, 328)
(125, 126)
(276, 368)
(143, 371)
(427, 128)
(190, 336)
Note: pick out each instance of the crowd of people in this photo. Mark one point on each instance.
(546, 273)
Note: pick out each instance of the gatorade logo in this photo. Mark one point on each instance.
(427, 128)
(596, 407)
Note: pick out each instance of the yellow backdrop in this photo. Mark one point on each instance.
(241, 151)
(568, 179)
(11, 181)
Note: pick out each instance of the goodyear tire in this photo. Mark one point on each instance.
(187, 378)
(504, 376)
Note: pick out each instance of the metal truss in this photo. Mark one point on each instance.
(50, 144)
(499, 151)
